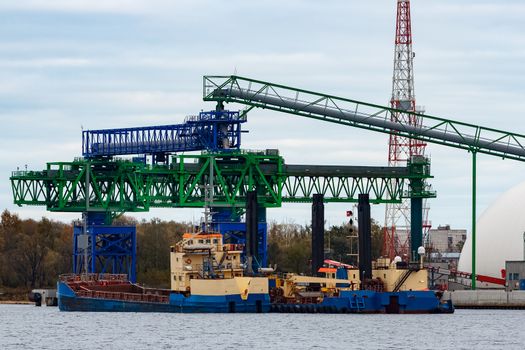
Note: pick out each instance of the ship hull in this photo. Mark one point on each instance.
(68, 300)
(363, 301)
(404, 302)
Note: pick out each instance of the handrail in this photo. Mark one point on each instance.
(136, 297)
(92, 277)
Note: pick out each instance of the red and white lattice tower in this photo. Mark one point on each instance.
(397, 216)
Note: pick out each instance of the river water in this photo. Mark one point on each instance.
(30, 327)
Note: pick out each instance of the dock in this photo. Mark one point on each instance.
(487, 299)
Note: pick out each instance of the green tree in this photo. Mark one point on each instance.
(10, 231)
(289, 247)
(34, 244)
(377, 240)
(154, 239)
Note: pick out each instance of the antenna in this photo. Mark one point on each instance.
(396, 235)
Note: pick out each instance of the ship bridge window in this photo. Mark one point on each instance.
(201, 241)
(215, 241)
(208, 241)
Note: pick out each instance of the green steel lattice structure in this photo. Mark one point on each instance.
(119, 186)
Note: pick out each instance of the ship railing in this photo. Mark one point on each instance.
(217, 272)
(93, 277)
(134, 297)
(229, 247)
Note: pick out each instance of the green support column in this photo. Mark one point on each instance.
(418, 165)
(473, 220)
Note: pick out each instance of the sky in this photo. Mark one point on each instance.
(72, 64)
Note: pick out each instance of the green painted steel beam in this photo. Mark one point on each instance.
(256, 93)
(124, 186)
(112, 187)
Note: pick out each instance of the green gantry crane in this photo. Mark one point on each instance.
(118, 186)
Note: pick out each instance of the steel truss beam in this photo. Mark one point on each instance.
(255, 93)
(122, 186)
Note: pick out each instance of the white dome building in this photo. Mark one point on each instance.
(499, 235)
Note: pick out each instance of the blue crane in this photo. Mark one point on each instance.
(218, 130)
(113, 248)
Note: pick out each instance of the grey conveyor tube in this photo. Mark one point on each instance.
(361, 118)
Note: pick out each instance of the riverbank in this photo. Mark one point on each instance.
(14, 296)
(15, 302)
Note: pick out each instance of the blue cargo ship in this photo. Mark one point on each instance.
(114, 293)
(106, 293)
(207, 276)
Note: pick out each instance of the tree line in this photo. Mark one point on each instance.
(289, 245)
(33, 253)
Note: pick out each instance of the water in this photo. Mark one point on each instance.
(29, 327)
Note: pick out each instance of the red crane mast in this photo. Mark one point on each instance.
(400, 149)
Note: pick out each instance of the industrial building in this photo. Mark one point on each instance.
(446, 240)
(515, 275)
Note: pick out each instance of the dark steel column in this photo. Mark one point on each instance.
(317, 233)
(365, 238)
(251, 228)
(416, 227)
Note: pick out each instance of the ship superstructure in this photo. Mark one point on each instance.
(205, 268)
(203, 256)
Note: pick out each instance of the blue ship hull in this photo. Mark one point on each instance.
(364, 301)
(347, 302)
(68, 300)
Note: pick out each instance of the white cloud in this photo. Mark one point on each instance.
(479, 8)
(107, 6)
(60, 62)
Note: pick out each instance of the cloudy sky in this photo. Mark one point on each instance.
(68, 64)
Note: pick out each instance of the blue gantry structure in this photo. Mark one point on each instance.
(112, 249)
(109, 248)
(214, 131)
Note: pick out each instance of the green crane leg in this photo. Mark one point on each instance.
(473, 220)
